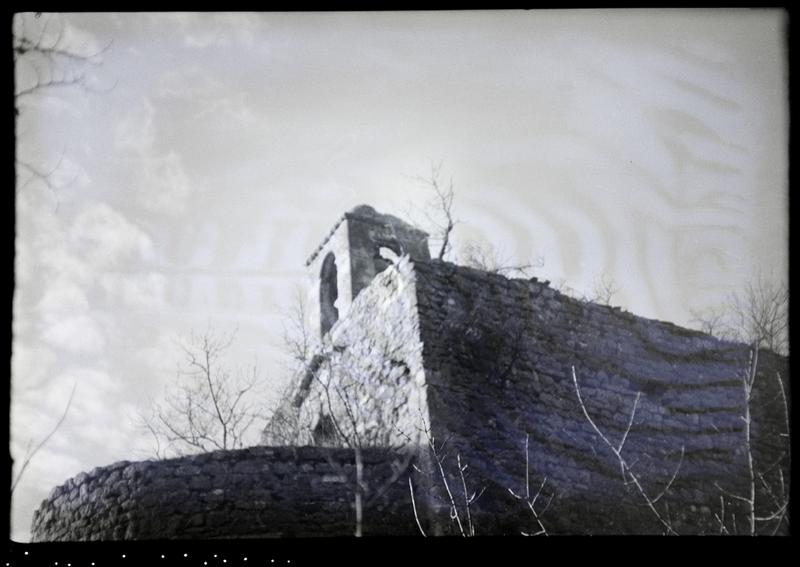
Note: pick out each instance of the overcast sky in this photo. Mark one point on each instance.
(209, 154)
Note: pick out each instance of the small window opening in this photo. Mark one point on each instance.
(324, 433)
(328, 294)
(386, 254)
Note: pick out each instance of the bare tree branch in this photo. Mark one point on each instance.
(531, 502)
(53, 63)
(672, 478)
(208, 407)
(751, 501)
(758, 314)
(30, 454)
(438, 210)
(489, 259)
(414, 506)
(626, 468)
(603, 290)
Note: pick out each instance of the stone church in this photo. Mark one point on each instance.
(447, 400)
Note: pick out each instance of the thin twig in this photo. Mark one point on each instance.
(672, 479)
(414, 505)
(467, 499)
(730, 494)
(29, 455)
(630, 423)
(531, 502)
(623, 464)
(721, 518)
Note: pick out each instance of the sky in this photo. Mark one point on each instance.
(205, 156)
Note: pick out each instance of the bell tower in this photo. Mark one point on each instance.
(358, 247)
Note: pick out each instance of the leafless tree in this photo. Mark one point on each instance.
(759, 314)
(441, 476)
(209, 407)
(713, 321)
(330, 403)
(296, 337)
(32, 450)
(45, 61)
(758, 487)
(561, 286)
(358, 419)
(437, 213)
(489, 259)
(628, 476)
(438, 219)
(284, 424)
(603, 290)
(531, 501)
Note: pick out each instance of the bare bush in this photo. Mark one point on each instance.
(603, 290)
(490, 259)
(209, 406)
(759, 314)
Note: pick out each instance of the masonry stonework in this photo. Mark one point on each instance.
(498, 358)
(256, 492)
(411, 350)
(369, 376)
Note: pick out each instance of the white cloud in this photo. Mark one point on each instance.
(165, 186)
(231, 111)
(136, 131)
(37, 411)
(80, 40)
(70, 175)
(30, 366)
(91, 421)
(189, 82)
(216, 102)
(135, 290)
(164, 354)
(203, 30)
(58, 257)
(62, 314)
(80, 334)
(107, 238)
(160, 183)
(62, 298)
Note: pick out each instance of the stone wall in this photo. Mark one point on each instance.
(486, 363)
(257, 492)
(367, 232)
(368, 375)
(498, 363)
(355, 241)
